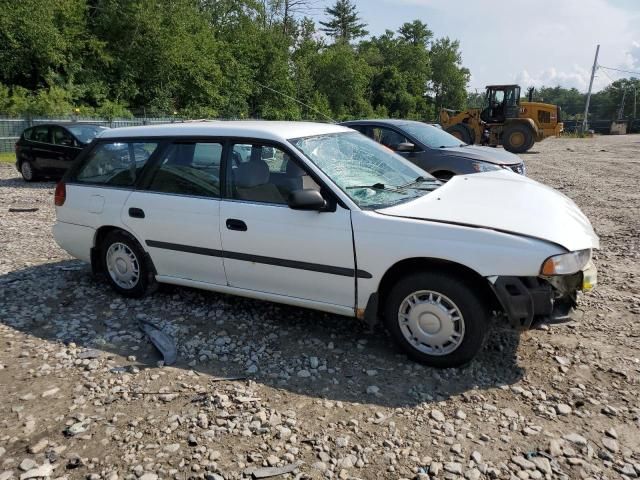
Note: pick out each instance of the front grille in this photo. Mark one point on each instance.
(519, 168)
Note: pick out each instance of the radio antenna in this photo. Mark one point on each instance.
(297, 101)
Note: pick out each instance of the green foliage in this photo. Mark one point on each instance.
(218, 58)
(604, 105)
(344, 23)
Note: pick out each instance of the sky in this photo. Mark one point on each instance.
(529, 42)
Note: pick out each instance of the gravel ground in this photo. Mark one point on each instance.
(83, 395)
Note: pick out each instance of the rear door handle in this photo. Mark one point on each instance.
(136, 212)
(235, 224)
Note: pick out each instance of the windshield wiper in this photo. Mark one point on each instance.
(375, 186)
(395, 188)
(418, 180)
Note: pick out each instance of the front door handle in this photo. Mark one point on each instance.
(136, 212)
(235, 224)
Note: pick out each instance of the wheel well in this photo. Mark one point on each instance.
(414, 265)
(101, 234)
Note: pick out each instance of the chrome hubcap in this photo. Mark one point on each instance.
(431, 322)
(27, 172)
(123, 265)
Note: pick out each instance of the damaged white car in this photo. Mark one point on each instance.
(319, 216)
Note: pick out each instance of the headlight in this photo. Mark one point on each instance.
(567, 263)
(484, 167)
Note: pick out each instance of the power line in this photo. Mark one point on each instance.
(608, 76)
(619, 70)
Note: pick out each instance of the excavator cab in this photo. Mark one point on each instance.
(501, 103)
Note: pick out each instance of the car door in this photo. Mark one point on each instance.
(176, 212)
(269, 247)
(42, 153)
(64, 148)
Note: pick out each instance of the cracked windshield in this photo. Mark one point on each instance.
(372, 175)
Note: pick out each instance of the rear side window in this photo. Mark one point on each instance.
(115, 163)
(40, 134)
(189, 169)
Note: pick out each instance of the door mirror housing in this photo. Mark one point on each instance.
(306, 199)
(406, 147)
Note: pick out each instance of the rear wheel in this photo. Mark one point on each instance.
(437, 319)
(462, 132)
(517, 138)
(27, 171)
(124, 264)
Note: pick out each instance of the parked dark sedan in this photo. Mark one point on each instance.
(434, 150)
(49, 149)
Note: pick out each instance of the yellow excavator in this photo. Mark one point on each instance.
(504, 120)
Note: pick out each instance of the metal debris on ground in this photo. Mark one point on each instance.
(267, 472)
(163, 342)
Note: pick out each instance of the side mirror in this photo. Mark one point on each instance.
(306, 199)
(406, 147)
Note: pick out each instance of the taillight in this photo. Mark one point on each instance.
(61, 194)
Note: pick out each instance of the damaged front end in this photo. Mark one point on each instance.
(530, 301)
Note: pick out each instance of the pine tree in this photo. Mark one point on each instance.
(344, 23)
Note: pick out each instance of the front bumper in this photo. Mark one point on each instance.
(531, 301)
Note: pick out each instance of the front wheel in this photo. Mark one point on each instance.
(124, 264)
(437, 319)
(517, 138)
(27, 171)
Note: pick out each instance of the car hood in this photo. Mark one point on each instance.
(497, 156)
(504, 201)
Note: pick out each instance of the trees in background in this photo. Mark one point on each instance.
(219, 58)
(344, 24)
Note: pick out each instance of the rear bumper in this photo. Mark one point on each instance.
(77, 240)
(531, 301)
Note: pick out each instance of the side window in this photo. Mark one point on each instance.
(189, 169)
(40, 134)
(266, 174)
(115, 163)
(28, 133)
(387, 137)
(62, 137)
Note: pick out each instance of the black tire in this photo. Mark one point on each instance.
(129, 248)
(462, 132)
(28, 172)
(517, 138)
(473, 312)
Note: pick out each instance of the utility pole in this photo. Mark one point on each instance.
(621, 111)
(635, 97)
(586, 107)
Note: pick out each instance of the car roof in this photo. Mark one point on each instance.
(268, 130)
(67, 124)
(383, 121)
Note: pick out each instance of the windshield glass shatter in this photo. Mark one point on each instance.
(370, 174)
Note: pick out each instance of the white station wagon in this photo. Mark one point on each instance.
(320, 216)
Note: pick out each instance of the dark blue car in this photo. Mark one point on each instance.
(434, 150)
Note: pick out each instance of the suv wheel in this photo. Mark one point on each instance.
(436, 319)
(27, 171)
(124, 264)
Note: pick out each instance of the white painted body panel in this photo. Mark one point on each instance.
(77, 240)
(183, 220)
(279, 232)
(505, 201)
(93, 206)
(382, 241)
